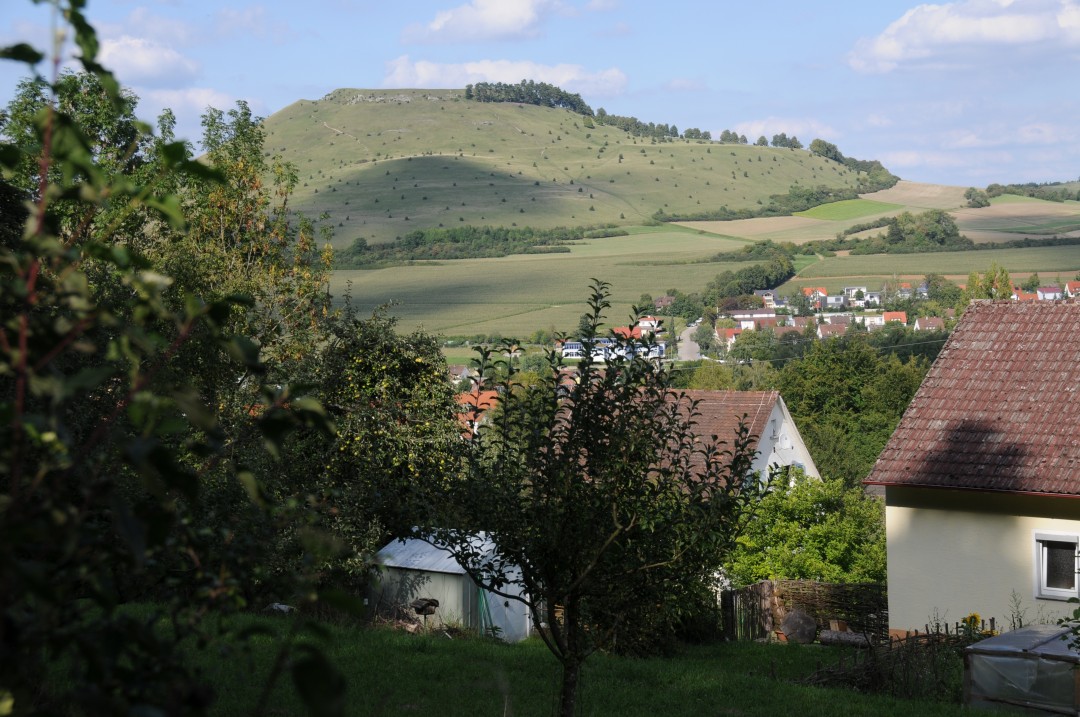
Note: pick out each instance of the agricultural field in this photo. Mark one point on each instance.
(517, 295)
(825, 221)
(917, 196)
(1011, 217)
(849, 209)
(1048, 262)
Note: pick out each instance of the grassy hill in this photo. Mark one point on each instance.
(382, 163)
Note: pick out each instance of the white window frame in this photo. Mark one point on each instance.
(1042, 591)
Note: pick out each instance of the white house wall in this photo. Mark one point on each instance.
(951, 553)
(781, 444)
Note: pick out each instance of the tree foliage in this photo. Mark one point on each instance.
(847, 399)
(812, 529)
(599, 502)
(166, 351)
(528, 92)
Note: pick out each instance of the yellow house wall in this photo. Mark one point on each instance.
(951, 553)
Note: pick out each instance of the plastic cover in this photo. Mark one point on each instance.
(1032, 668)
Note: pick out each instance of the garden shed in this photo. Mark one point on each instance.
(1033, 669)
(414, 569)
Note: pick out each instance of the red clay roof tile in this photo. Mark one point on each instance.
(996, 410)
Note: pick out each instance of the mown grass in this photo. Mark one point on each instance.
(849, 209)
(394, 673)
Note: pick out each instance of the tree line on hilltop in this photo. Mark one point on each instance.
(528, 92)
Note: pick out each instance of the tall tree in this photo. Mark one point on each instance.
(598, 502)
(812, 529)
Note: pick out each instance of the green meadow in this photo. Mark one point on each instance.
(395, 673)
(382, 163)
(849, 209)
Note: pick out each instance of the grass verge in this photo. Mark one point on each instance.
(395, 673)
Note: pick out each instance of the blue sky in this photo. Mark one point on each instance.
(965, 93)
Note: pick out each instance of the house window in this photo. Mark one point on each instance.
(1056, 566)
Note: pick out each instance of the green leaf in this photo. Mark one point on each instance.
(246, 351)
(21, 52)
(251, 486)
(320, 685)
(344, 602)
(169, 208)
(195, 409)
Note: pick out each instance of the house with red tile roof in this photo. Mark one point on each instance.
(727, 337)
(627, 332)
(650, 324)
(1049, 293)
(1019, 294)
(900, 316)
(929, 323)
(778, 443)
(828, 331)
(982, 475)
(474, 405)
(1072, 289)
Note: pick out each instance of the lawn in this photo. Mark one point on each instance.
(394, 673)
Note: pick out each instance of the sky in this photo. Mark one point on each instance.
(962, 93)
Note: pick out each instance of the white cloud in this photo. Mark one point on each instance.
(251, 20)
(188, 105)
(143, 23)
(1034, 134)
(142, 61)
(403, 72)
(878, 120)
(683, 84)
(806, 129)
(922, 159)
(929, 33)
(193, 99)
(484, 20)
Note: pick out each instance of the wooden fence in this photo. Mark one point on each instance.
(756, 611)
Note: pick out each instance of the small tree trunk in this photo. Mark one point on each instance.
(570, 677)
(572, 657)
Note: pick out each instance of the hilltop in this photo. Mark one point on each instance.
(382, 163)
